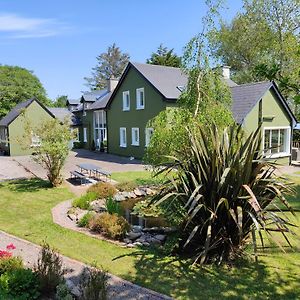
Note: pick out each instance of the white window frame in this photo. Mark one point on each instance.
(138, 98)
(287, 145)
(84, 134)
(135, 131)
(148, 133)
(123, 142)
(100, 127)
(125, 107)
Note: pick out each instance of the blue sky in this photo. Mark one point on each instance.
(59, 40)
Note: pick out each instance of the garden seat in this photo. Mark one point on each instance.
(78, 175)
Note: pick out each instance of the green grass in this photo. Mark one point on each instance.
(139, 177)
(26, 212)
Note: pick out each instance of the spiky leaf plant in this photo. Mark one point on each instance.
(225, 186)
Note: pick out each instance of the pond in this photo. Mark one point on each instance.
(133, 219)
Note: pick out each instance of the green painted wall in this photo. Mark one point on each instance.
(87, 122)
(271, 107)
(36, 116)
(117, 118)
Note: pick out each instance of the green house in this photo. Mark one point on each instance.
(144, 90)
(12, 129)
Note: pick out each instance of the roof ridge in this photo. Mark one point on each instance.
(152, 65)
(251, 83)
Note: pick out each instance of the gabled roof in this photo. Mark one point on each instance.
(246, 96)
(73, 101)
(16, 111)
(166, 80)
(62, 113)
(93, 96)
(101, 102)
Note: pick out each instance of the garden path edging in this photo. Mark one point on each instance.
(118, 288)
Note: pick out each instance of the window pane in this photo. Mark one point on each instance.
(283, 133)
(275, 141)
(267, 142)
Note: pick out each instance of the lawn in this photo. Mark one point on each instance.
(25, 212)
(140, 177)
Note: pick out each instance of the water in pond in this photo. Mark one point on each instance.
(126, 210)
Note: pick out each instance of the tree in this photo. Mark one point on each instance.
(53, 147)
(206, 100)
(164, 57)
(110, 64)
(17, 85)
(60, 101)
(262, 43)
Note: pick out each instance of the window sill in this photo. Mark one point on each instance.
(136, 145)
(123, 146)
(278, 155)
(140, 108)
(126, 109)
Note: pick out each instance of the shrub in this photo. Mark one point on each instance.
(8, 264)
(63, 292)
(112, 226)
(103, 189)
(126, 186)
(224, 186)
(93, 284)
(84, 221)
(112, 206)
(20, 284)
(49, 269)
(84, 201)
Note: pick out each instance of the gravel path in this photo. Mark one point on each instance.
(118, 289)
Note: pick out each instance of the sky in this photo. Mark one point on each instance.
(59, 40)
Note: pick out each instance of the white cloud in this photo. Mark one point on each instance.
(15, 26)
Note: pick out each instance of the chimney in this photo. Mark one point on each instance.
(226, 72)
(111, 84)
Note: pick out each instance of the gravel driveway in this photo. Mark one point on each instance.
(10, 169)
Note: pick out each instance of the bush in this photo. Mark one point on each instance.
(126, 186)
(103, 190)
(63, 292)
(49, 269)
(112, 226)
(93, 284)
(20, 284)
(84, 201)
(84, 221)
(8, 264)
(112, 206)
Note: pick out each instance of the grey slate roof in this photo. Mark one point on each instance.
(101, 102)
(165, 79)
(15, 112)
(73, 101)
(62, 113)
(245, 96)
(94, 95)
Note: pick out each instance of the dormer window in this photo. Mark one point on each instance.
(140, 98)
(126, 101)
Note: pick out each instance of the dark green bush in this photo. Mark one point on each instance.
(63, 292)
(103, 190)
(113, 226)
(126, 186)
(84, 201)
(8, 264)
(84, 221)
(112, 206)
(21, 284)
(49, 270)
(93, 284)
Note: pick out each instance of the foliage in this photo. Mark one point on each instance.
(164, 57)
(8, 264)
(262, 43)
(145, 208)
(110, 64)
(205, 100)
(63, 293)
(103, 189)
(84, 221)
(224, 186)
(113, 226)
(93, 284)
(60, 101)
(84, 201)
(126, 186)
(17, 85)
(139, 177)
(53, 148)
(20, 284)
(112, 206)
(49, 269)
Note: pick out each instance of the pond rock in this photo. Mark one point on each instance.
(138, 192)
(137, 244)
(98, 205)
(133, 235)
(137, 228)
(160, 237)
(119, 197)
(127, 241)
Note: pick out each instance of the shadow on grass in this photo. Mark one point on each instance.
(28, 185)
(176, 277)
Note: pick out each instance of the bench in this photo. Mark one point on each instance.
(78, 175)
(106, 174)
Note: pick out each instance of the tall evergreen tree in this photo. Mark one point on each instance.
(110, 64)
(164, 57)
